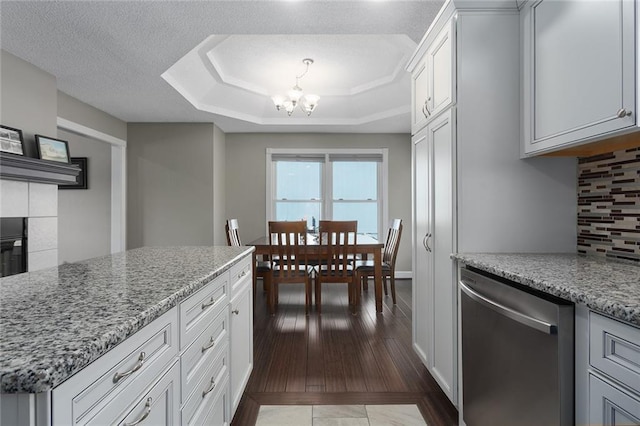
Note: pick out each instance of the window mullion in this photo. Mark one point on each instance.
(328, 189)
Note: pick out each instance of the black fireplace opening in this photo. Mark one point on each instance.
(13, 245)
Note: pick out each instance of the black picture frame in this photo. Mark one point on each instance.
(52, 149)
(11, 140)
(82, 178)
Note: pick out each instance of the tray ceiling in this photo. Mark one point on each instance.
(225, 59)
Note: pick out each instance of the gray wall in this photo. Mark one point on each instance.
(84, 216)
(28, 99)
(170, 184)
(219, 186)
(246, 173)
(82, 113)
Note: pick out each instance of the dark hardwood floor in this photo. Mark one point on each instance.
(337, 357)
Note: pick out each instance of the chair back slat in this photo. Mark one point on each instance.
(233, 235)
(287, 241)
(393, 242)
(338, 241)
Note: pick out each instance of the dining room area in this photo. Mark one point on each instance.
(332, 328)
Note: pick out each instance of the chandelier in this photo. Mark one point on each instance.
(295, 96)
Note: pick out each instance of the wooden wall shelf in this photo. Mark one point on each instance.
(16, 167)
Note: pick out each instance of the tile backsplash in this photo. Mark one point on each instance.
(608, 205)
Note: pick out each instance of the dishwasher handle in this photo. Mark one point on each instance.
(535, 323)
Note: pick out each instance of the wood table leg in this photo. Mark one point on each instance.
(377, 275)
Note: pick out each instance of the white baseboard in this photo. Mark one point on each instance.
(403, 275)
(400, 275)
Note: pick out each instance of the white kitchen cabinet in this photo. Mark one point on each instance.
(210, 385)
(419, 95)
(182, 368)
(579, 72)
(159, 406)
(472, 192)
(433, 80)
(422, 254)
(441, 84)
(611, 406)
(607, 370)
(241, 318)
(435, 327)
(124, 372)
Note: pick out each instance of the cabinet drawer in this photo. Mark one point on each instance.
(158, 406)
(130, 368)
(198, 310)
(211, 411)
(240, 273)
(213, 382)
(198, 357)
(614, 349)
(611, 406)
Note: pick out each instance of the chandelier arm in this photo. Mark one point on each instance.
(303, 74)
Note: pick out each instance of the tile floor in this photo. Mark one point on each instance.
(340, 415)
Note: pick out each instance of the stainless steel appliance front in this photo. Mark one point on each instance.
(517, 354)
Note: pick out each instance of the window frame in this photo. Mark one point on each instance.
(327, 179)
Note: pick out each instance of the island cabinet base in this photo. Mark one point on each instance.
(185, 367)
(607, 370)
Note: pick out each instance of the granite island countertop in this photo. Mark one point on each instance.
(607, 286)
(56, 321)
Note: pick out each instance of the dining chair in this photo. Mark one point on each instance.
(287, 244)
(365, 268)
(263, 270)
(337, 242)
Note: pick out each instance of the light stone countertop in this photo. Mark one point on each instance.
(607, 286)
(56, 321)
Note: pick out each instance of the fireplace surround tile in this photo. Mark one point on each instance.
(14, 198)
(43, 234)
(43, 200)
(42, 259)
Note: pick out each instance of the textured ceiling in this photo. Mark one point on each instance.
(111, 54)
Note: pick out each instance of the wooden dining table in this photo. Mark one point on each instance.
(365, 245)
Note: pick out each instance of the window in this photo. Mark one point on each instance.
(333, 185)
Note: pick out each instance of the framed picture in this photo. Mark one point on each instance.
(81, 179)
(11, 140)
(52, 149)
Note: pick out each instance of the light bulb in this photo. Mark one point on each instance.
(278, 101)
(309, 103)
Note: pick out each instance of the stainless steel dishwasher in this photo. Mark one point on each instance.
(517, 354)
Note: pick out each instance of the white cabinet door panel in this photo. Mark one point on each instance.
(610, 406)
(419, 95)
(444, 289)
(579, 71)
(434, 292)
(241, 320)
(423, 278)
(440, 61)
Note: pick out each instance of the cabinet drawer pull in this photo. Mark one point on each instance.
(236, 311)
(212, 387)
(209, 303)
(242, 274)
(209, 345)
(147, 411)
(119, 376)
(622, 113)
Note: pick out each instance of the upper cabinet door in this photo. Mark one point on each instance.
(579, 82)
(419, 114)
(433, 79)
(440, 69)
